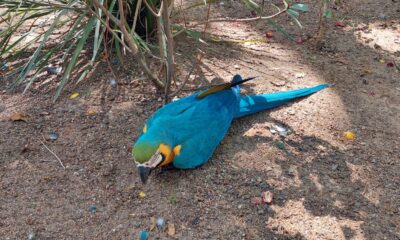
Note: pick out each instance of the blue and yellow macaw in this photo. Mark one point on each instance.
(186, 132)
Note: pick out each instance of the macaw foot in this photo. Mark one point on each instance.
(166, 168)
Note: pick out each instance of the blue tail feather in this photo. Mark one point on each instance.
(255, 103)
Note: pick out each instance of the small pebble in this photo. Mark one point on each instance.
(115, 61)
(382, 16)
(349, 135)
(113, 83)
(143, 235)
(335, 167)
(269, 35)
(280, 145)
(300, 75)
(92, 209)
(195, 221)
(53, 136)
(53, 70)
(281, 130)
(390, 64)
(160, 223)
(31, 236)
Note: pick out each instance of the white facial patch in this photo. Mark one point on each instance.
(154, 161)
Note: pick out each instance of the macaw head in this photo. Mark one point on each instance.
(147, 156)
(150, 153)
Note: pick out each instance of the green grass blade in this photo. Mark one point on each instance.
(280, 29)
(118, 51)
(300, 7)
(32, 62)
(86, 31)
(294, 15)
(97, 40)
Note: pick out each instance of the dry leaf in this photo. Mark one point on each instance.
(171, 230)
(74, 95)
(267, 197)
(19, 116)
(300, 75)
(142, 194)
(153, 223)
(91, 111)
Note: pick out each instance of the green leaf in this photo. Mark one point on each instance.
(193, 33)
(293, 13)
(118, 51)
(300, 7)
(328, 13)
(281, 29)
(252, 5)
(33, 60)
(86, 32)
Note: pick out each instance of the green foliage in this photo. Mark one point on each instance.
(40, 32)
(31, 27)
(300, 7)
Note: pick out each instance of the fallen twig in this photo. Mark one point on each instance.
(244, 19)
(55, 155)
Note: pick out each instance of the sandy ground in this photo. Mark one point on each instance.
(324, 187)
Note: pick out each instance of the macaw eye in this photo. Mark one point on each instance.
(145, 128)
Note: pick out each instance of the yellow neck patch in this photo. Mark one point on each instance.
(213, 90)
(169, 153)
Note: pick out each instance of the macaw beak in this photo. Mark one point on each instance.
(144, 173)
(146, 168)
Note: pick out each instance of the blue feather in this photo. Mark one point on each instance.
(255, 103)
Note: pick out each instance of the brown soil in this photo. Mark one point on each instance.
(324, 187)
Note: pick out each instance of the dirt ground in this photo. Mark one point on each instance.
(324, 187)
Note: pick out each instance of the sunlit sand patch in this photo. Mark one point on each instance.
(312, 227)
(380, 35)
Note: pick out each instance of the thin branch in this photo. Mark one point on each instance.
(244, 19)
(138, 6)
(208, 18)
(196, 61)
(55, 155)
(183, 13)
(157, 15)
(130, 41)
(106, 24)
(170, 50)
